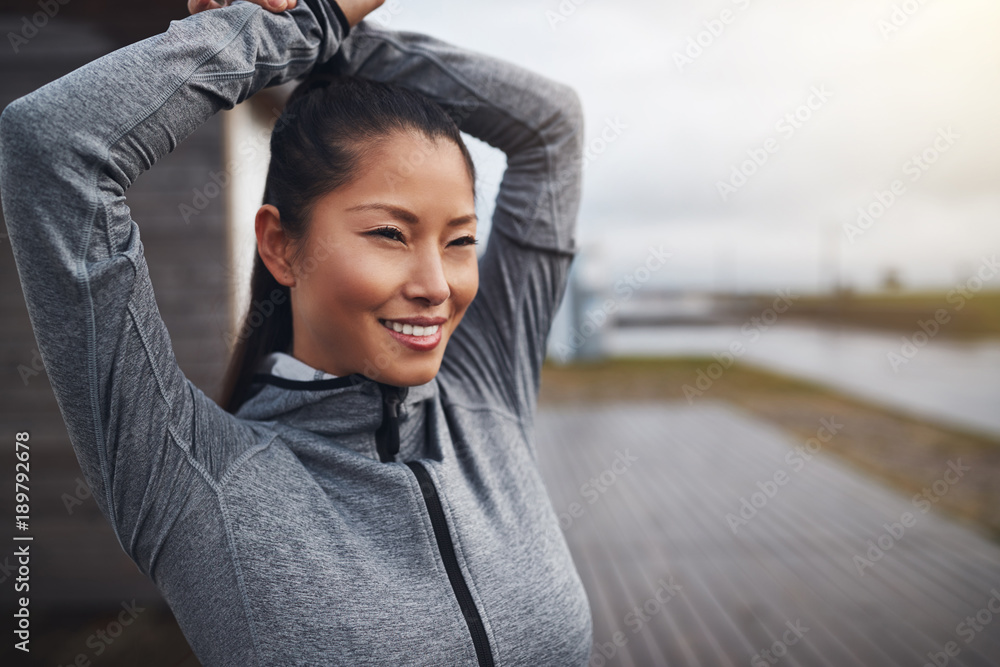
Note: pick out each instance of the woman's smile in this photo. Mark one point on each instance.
(408, 328)
(422, 339)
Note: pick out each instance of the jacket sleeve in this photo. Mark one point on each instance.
(68, 153)
(498, 350)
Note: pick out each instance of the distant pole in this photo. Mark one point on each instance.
(718, 266)
(832, 254)
(724, 261)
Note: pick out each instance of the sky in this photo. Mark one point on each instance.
(747, 134)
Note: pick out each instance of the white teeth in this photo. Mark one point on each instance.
(410, 329)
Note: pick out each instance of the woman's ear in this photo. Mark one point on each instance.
(274, 245)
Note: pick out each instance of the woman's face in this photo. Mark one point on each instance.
(392, 249)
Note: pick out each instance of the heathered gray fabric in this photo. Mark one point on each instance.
(277, 536)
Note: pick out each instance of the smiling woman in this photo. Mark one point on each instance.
(367, 493)
(420, 270)
(378, 179)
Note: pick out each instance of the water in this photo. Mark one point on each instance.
(955, 383)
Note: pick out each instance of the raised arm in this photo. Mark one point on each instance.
(68, 153)
(498, 350)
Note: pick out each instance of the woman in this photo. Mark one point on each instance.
(371, 497)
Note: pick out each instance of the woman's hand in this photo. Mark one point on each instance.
(195, 6)
(354, 10)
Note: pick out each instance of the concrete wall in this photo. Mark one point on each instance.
(79, 566)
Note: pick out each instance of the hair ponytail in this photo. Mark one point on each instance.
(273, 334)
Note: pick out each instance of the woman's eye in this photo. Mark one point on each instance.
(388, 232)
(465, 240)
(396, 235)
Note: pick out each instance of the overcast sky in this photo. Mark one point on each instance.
(883, 88)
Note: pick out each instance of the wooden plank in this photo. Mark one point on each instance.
(665, 515)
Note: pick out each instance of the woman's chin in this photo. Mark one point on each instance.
(409, 375)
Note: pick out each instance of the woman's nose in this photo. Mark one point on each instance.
(427, 279)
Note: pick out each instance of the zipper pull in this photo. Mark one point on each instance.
(387, 435)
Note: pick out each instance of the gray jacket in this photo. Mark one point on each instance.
(279, 536)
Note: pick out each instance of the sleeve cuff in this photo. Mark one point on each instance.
(340, 17)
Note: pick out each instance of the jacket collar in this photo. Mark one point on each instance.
(347, 409)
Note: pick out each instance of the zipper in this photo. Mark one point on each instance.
(387, 444)
(387, 435)
(447, 550)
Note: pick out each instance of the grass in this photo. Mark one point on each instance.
(964, 314)
(906, 453)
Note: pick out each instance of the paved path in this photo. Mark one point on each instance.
(787, 581)
(956, 384)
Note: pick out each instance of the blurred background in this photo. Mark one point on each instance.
(785, 306)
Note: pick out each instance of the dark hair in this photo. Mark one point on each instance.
(329, 127)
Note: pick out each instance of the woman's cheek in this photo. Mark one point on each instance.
(360, 288)
(363, 268)
(466, 283)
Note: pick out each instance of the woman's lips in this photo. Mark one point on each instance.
(423, 343)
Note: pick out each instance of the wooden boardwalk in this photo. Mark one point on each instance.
(665, 569)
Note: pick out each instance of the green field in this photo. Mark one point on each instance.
(961, 313)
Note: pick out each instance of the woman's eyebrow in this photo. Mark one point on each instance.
(404, 215)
